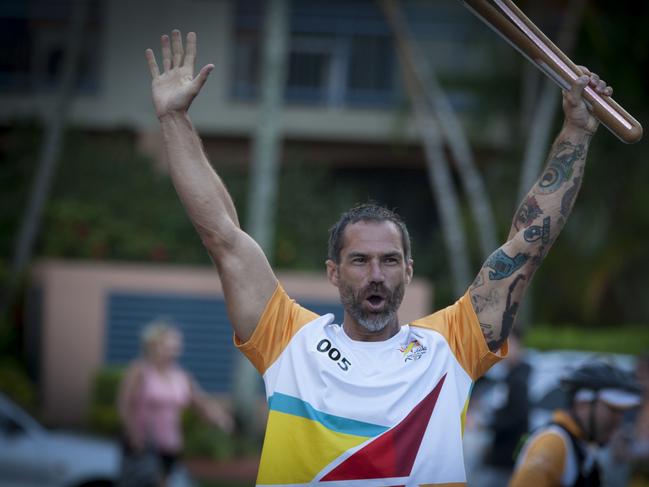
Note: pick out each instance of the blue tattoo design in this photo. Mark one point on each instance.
(503, 265)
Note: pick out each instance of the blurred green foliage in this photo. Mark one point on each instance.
(203, 440)
(631, 339)
(108, 202)
(103, 416)
(16, 384)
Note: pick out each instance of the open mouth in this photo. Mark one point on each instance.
(375, 301)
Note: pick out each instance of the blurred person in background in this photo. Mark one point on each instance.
(510, 417)
(630, 447)
(564, 453)
(639, 448)
(152, 397)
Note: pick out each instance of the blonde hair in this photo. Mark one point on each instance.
(154, 332)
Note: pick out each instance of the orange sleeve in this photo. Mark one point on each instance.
(543, 463)
(460, 327)
(279, 322)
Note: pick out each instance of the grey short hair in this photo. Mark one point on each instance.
(365, 212)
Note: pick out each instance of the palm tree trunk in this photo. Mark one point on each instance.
(262, 193)
(49, 157)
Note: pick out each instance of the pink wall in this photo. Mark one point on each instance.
(74, 317)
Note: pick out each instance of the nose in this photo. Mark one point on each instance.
(376, 271)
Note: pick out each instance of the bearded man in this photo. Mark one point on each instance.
(372, 402)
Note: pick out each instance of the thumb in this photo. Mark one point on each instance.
(577, 89)
(202, 75)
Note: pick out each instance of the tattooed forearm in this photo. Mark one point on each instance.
(527, 213)
(497, 291)
(568, 198)
(482, 302)
(560, 166)
(540, 255)
(541, 216)
(503, 265)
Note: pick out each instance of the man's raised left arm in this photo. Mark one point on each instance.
(498, 289)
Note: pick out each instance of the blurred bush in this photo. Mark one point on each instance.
(628, 339)
(206, 441)
(103, 416)
(15, 383)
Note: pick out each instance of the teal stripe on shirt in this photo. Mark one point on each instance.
(292, 405)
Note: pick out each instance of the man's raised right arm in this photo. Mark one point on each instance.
(246, 276)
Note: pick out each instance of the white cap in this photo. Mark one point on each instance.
(617, 398)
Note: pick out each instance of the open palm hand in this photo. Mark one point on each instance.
(176, 87)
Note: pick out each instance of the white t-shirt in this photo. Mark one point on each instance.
(345, 412)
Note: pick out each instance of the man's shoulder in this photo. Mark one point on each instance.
(431, 321)
(317, 324)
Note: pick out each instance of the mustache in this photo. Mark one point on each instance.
(378, 289)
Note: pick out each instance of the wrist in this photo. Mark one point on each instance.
(173, 115)
(577, 132)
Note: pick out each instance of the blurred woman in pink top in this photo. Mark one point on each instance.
(153, 395)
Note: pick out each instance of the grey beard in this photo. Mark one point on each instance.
(373, 322)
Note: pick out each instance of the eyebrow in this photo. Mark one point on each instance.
(356, 254)
(393, 254)
(353, 254)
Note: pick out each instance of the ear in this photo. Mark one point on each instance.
(409, 270)
(332, 272)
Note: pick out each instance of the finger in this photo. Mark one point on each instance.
(190, 55)
(576, 89)
(608, 91)
(201, 78)
(594, 80)
(584, 70)
(166, 52)
(601, 86)
(153, 65)
(176, 48)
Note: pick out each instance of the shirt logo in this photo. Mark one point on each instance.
(413, 351)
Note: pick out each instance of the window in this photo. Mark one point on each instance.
(33, 36)
(340, 53)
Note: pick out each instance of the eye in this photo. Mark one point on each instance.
(391, 260)
(359, 259)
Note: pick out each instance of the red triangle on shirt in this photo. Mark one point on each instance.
(393, 453)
